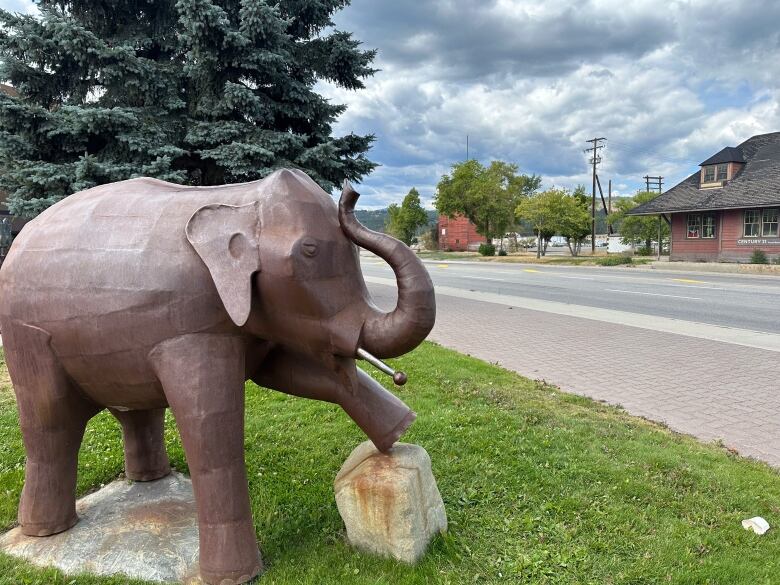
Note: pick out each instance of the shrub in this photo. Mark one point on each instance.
(758, 257)
(502, 252)
(614, 260)
(777, 260)
(487, 249)
(644, 251)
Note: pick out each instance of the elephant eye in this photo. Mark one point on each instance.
(309, 247)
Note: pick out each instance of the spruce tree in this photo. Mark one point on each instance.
(200, 92)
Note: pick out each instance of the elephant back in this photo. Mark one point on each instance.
(117, 248)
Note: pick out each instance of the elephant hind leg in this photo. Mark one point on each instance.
(143, 434)
(53, 416)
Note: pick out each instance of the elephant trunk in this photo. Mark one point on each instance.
(401, 330)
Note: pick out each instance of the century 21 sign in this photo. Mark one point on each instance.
(757, 242)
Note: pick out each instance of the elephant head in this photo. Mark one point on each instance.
(286, 269)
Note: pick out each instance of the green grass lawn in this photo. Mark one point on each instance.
(540, 487)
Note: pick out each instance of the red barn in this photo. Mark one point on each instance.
(458, 234)
(728, 208)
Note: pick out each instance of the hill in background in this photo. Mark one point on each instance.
(375, 219)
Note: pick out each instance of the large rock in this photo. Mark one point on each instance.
(139, 530)
(389, 501)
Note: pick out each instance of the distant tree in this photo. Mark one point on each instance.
(487, 196)
(638, 229)
(542, 212)
(556, 211)
(404, 221)
(201, 92)
(574, 220)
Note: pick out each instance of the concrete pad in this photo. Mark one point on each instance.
(139, 530)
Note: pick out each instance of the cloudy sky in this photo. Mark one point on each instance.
(667, 83)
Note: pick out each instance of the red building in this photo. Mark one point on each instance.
(728, 208)
(458, 234)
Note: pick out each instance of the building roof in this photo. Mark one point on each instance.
(756, 185)
(8, 90)
(727, 155)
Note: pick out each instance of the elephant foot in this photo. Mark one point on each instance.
(229, 554)
(230, 577)
(47, 529)
(386, 443)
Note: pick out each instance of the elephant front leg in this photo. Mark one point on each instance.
(203, 379)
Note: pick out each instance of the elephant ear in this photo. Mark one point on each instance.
(225, 238)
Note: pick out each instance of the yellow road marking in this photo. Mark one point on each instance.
(529, 270)
(442, 266)
(689, 281)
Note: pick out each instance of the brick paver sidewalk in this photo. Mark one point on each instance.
(709, 389)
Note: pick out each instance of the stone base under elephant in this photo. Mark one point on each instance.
(143, 531)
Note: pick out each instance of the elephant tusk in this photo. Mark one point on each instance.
(399, 378)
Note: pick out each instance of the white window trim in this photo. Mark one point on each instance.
(763, 212)
(687, 226)
(714, 235)
(758, 222)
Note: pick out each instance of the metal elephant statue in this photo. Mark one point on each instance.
(142, 295)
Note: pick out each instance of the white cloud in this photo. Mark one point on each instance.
(530, 82)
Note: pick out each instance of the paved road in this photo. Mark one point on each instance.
(701, 358)
(745, 302)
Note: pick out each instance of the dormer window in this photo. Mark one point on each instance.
(720, 168)
(713, 173)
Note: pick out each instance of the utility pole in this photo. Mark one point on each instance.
(595, 160)
(658, 183)
(609, 214)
